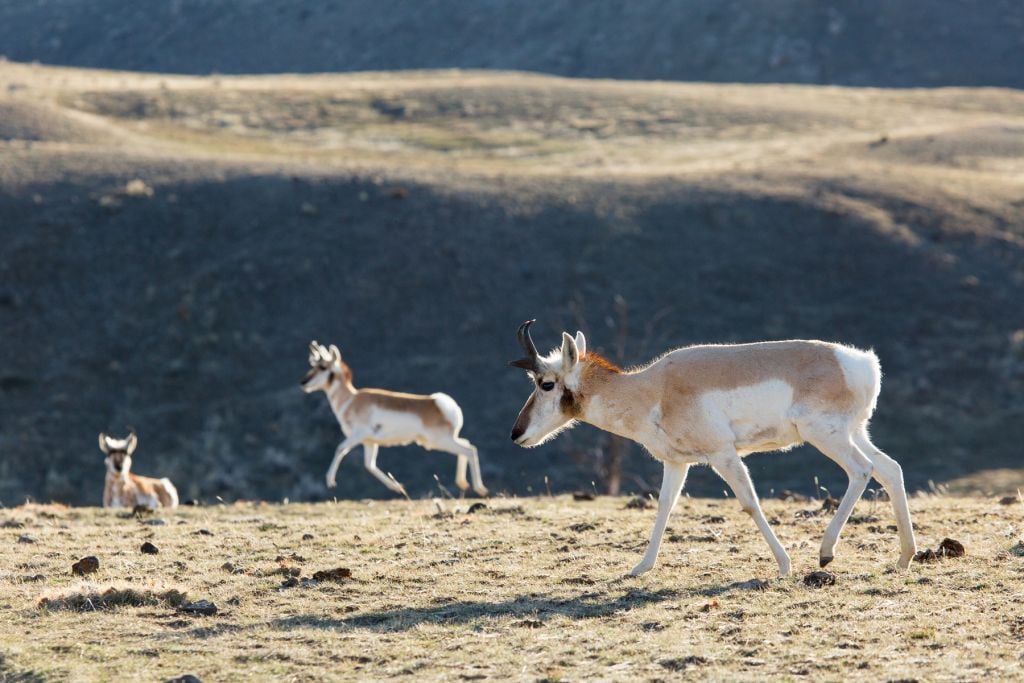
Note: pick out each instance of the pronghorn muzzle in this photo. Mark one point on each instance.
(529, 363)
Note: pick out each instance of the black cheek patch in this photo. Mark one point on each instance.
(569, 403)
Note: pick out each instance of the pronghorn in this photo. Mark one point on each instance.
(375, 417)
(712, 405)
(123, 489)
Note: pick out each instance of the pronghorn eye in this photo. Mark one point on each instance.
(547, 386)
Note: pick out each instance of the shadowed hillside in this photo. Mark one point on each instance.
(879, 42)
(170, 246)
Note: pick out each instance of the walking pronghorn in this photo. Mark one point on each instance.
(375, 417)
(715, 404)
(122, 489)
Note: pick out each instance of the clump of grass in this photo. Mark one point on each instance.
(89, 599)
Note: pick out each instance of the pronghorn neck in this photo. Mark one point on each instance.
(609, 398)
(339, 393)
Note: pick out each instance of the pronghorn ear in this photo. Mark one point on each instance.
(103, 443)
(335, 354)
(581, 343)
(131, 443)
(570, 352)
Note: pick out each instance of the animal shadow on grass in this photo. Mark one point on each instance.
(542, 608)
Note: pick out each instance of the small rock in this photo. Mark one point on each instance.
(927, 555)
(290, 582)
(185, 678)
(228, 567)
(26, 538)
(1009, 500)
(154, 522)
(830, 504)
(149, 549)
(33, 577)
(12, 524)
(581, 527)
(820, 579)
(582, 496)
(714, 519)
(86, 565)
(203, 607)
(476, 507)
(638, 503)
(337, 574)
(202, 532)
(308, 537)
(951, 548)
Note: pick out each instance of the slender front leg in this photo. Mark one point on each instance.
(370, 461)
(350, 442)
(671, 486)
(734, 472)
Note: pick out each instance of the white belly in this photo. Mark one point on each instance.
(388, 428)
(758, 416)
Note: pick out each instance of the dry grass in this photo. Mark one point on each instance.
(528, 589)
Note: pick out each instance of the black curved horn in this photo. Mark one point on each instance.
(526, 341)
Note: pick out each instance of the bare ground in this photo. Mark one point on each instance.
(525, 589)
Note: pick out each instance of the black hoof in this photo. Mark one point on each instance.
(823, 562)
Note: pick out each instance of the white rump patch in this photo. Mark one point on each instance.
(450, 409)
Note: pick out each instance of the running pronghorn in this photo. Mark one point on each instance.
(123, 489)
(712, 405)
(375, 417)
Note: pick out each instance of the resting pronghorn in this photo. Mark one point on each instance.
(713, 405)
(375, 417)
(123, 489)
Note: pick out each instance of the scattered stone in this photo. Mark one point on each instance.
(951, 548)
(29, 578)
(714, 519)
(709, 605)
(579, 581)
(12, 524)
(830, 504)
(290, 582)
(820, 579)
(926, 555)
(185, 678)
(1018, 549)
(202, 607)
(581, 527)
(682, 663)
(753, 585)
(530, 623)
(86, 565)
(690, 538)
(228, 567)
(308, 537)
(338, 574)
(583, 496)
(476, 507)
(149, 549)
(202, 532)
(26, 538)
(154, 522)
(638, 503)
(1009, 500)
(863, 519)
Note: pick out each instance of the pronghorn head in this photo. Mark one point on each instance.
(119, 452)
(554, 403)
(325, 367)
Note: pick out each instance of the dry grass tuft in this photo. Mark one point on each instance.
(89, 598)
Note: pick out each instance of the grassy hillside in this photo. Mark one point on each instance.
(525, 589)
(171, 244)
(871, 42)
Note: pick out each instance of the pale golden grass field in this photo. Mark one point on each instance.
(528, 589)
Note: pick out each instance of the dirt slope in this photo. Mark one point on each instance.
(416, 219)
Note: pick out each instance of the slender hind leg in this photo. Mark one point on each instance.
(671, 486)
(838, 445)
(890, 474)
(730, 468)
(467, 455)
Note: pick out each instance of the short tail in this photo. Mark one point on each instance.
(170, 497)
(450, 409)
